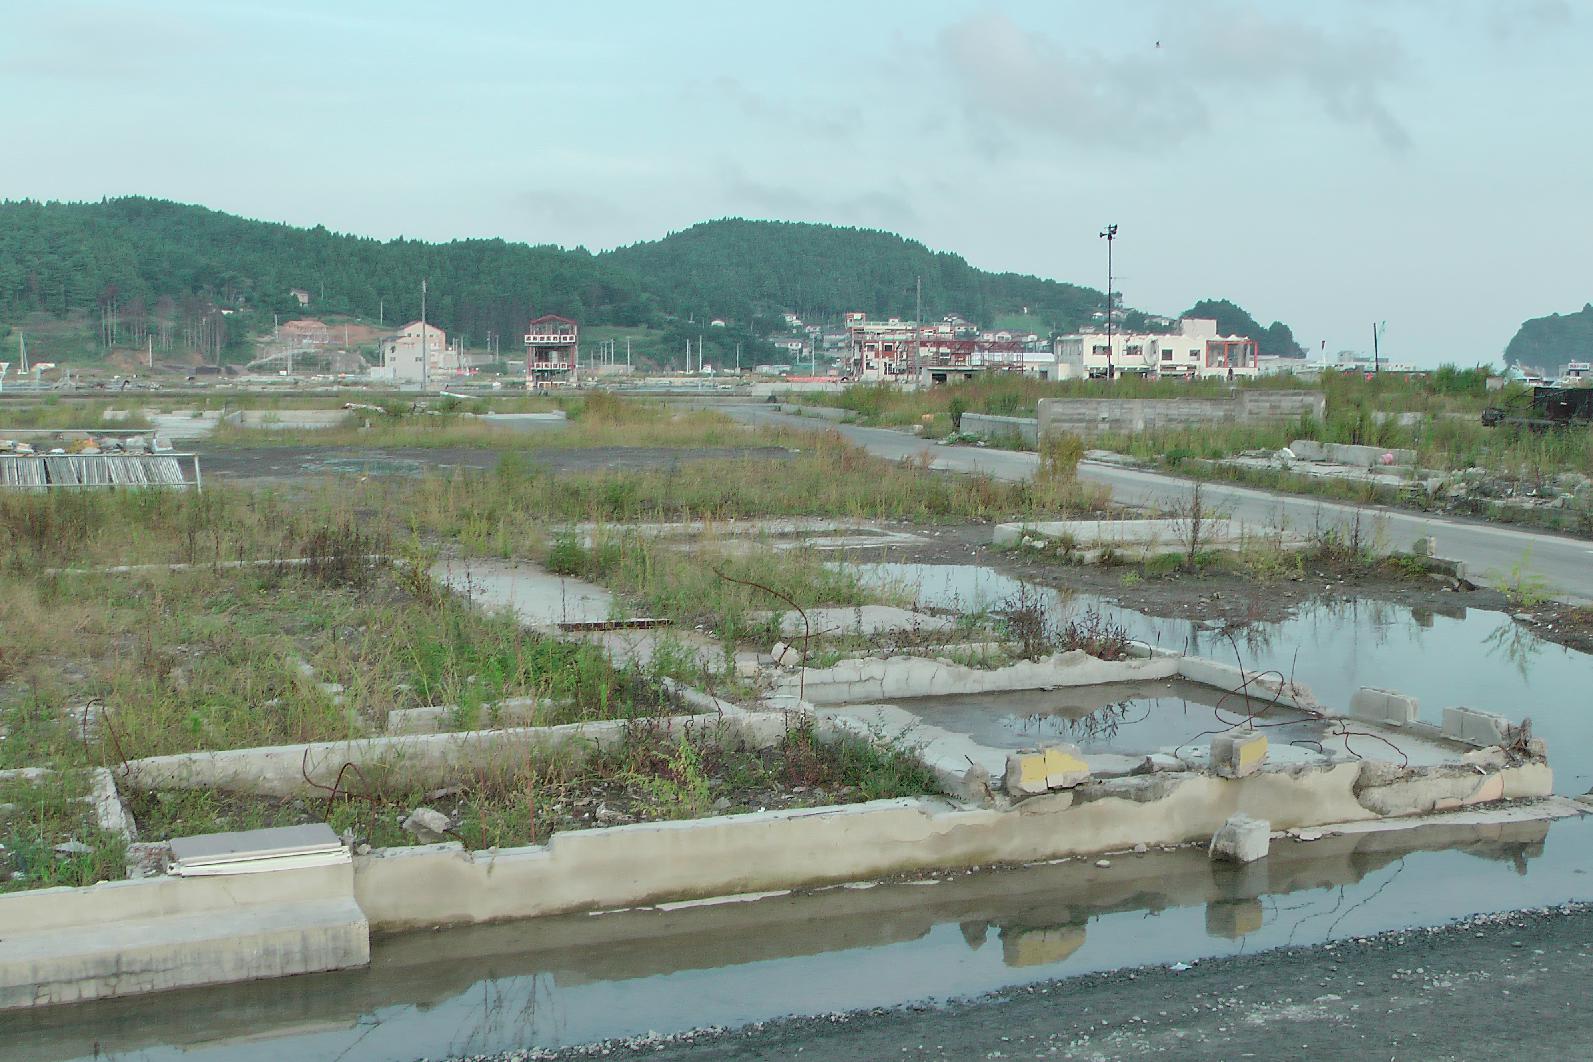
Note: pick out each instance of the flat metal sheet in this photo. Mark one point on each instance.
(248, 845)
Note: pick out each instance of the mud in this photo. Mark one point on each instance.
(1567, 625)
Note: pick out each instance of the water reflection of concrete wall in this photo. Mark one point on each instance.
(512, 975)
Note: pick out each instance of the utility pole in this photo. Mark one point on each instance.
(1377, 333)
(381, 313)
(425, 369)
(1109, 234)
(151, 339)
(918, 330)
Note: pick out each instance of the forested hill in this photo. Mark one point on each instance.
(744, 268)
(137, 253)
(147, 267)
(1549, 342)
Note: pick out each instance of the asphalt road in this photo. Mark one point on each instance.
(1492, 552)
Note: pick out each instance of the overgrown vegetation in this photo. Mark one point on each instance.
(654, 774)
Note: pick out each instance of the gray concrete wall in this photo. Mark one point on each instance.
(288, 419)
(152, 934)
(1103, 416)
(989, 426)
(1350, 454)
(875, 680)
(280, 770)
(624, 866)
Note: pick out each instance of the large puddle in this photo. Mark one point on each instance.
(1469, 657)
(572, 980)
(1133, 720)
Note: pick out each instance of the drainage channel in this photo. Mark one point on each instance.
(573, 980)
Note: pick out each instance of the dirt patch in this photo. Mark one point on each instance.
(1567, 625)
(269, 463)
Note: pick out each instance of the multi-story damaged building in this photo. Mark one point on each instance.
(895, 350)
(552, 350)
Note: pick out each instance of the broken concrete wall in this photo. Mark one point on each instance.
(1350, 454)
(904, 676)
(990, 426)
(281, 770)
(626, 865)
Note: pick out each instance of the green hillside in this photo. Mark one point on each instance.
(122, 272)
(1549, 342)
(743, 269)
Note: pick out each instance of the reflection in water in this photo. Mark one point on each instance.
(568, 980)
(1097, 727)
(1334, 645)
(1516, 645)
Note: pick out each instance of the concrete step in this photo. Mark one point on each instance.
(123, 958)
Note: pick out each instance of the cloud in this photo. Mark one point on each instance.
(833, 123)
(883, 207)
(1201, 62)
(104, 44)
(1242, 49)
(1011, 76)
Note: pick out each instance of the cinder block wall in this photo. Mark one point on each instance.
(1103, 416)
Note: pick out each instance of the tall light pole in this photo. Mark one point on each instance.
(1109, 234)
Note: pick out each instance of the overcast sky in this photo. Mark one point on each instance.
(1332, 164)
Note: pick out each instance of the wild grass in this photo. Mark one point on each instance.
(593, 420)
(236, 658)
(37, 816)
(653, 774)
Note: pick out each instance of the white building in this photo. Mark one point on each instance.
(401, 355)
(1194, 350)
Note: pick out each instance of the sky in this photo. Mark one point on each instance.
(1424, 163)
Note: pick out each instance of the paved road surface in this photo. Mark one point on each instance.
(1490, 551)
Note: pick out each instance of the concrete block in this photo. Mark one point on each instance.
(1241, 839)
(1238, 753)
(1036, 771)
(1065, 767)
(786, 655)
(1383, 706)
(1027, 774)
(1474, 727)
(1308, 450)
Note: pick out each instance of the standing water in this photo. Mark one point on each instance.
(1470, 657)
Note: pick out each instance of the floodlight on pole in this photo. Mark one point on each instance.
(1109, 234)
